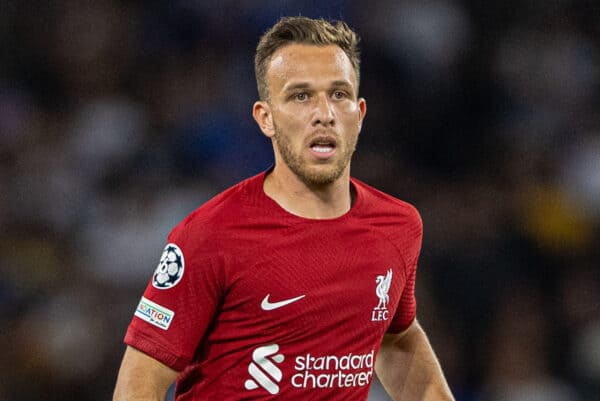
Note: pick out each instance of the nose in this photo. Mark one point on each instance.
(324, 114)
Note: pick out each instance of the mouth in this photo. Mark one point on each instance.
(323, 146)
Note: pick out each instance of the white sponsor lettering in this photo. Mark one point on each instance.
(311, 372)
(331, 371)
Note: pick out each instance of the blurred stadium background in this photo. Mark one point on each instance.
(117, 118)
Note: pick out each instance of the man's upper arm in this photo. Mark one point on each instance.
(404, 341)
(408, 368)
(142, 377)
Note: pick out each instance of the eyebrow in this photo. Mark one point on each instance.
(306, 85)
(299, 85)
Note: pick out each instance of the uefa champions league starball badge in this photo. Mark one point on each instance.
(170, 268)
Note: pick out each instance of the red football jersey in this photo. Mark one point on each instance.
(251, 302)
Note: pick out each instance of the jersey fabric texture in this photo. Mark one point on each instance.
(272, 306)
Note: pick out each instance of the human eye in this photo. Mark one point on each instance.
(300, 96)
(339, 94)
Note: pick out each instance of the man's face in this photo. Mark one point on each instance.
(315, 113)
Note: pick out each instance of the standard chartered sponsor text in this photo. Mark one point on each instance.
(351, 370)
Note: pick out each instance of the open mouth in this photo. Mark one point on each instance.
(323, 145)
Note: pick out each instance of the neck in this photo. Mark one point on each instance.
(326, 201)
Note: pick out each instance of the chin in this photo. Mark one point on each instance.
(320, 177)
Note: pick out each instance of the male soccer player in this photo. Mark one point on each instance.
(298, 283)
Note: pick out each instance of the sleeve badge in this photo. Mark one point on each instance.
(170, 268)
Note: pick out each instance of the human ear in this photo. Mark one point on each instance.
(362, 111)
(264, 118)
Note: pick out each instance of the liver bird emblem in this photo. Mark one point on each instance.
(383, 286)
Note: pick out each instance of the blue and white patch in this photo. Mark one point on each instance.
(170, 268)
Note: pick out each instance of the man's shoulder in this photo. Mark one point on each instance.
(379, 203)
(395, 219)
(227, 206)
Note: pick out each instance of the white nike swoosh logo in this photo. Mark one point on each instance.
(266, 305)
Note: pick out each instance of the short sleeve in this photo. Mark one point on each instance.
(407, 307)
(179, 302)
(406, 310)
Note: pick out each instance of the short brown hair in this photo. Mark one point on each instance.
(303, 30)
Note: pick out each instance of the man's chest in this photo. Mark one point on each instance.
(305, 312)
(312, 284)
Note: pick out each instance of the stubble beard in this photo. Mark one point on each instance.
(313, 176)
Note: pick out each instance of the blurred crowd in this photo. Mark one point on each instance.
(117, 118)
